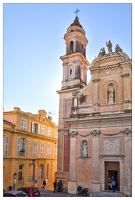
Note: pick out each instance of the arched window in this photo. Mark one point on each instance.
(84, 149)
(70, 72)
(82, 49)
(71, 47)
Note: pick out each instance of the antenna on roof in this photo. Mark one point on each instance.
(50, 113)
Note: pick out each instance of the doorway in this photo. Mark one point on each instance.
(112, 171)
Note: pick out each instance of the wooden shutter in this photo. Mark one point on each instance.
(36, 148)
(27, 147)
(6, 145)
(38, 128)
(18, 146)
(33, 127)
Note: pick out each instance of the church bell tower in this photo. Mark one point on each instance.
(74, 61)
(75, 68)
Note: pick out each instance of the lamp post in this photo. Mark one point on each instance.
(33, 162)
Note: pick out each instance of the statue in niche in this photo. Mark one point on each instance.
(110, 94)
(84, 151)
(109, 45)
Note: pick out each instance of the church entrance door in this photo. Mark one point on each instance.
(112, 171)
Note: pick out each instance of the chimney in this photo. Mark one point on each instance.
(50, 118)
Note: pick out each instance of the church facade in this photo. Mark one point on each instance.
(95, 120)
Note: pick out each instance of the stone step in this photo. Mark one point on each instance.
(107, 193)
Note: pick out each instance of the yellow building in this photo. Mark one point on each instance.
(29, 149)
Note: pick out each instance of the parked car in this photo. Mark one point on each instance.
(14, 193)
(30, 191)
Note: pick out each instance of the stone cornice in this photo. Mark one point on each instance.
(67, 90)
(73, 56)
(97, 67)
(119, 57)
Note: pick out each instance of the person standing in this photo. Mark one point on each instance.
(55, 186)
(109, 184)
(113, 185)
(44, 183)
(59, 186)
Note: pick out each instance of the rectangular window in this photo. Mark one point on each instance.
(41, 172)
(6, 145)
(35, 147)
(23, 124)
(26, 147)
(20, 173)
(35, 128)
(42, 130)
(48, 150)
(49, 132)
(22, 146)
(42, 149)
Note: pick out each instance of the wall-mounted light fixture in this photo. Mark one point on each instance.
(33, 161)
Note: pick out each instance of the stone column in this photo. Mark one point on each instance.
(126, 87)
(127, 184)
(68, 44)
(72, 183)
(66, 47)
(74, 49)
(95, 161)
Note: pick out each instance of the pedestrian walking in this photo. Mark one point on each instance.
(35, 183)
(55, 186)
(113, 185)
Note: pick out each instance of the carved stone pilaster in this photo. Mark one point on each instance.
(73, 133)
(127, 131)
(95, 133)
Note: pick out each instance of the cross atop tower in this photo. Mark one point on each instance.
(77, 12)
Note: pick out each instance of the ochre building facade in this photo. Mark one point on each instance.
(95, 120)
(29, 149)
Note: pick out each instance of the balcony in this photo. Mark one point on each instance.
(22, 152)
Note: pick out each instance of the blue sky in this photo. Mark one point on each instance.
(33, 43)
